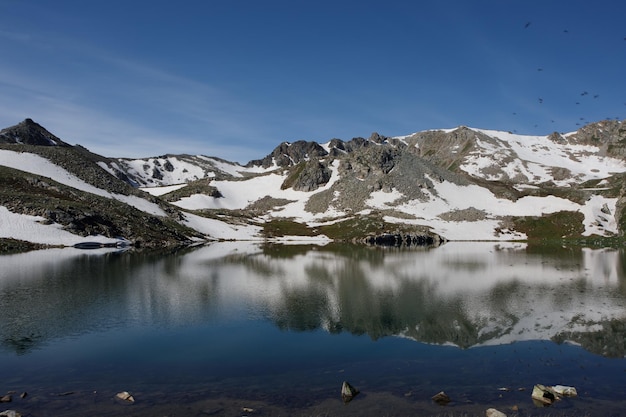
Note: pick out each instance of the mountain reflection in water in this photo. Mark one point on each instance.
(461, 294)
(232, 316)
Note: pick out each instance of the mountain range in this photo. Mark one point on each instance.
(443, 184)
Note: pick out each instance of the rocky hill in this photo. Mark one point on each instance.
(30, 133)
(456, 184)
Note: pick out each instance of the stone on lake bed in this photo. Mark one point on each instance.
(565, 391)
(544, 395)
(441, 398)
(125, 397)
(492, 412)
(10, 413)
(348, 392)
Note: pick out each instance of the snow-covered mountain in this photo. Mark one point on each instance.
(460, 184)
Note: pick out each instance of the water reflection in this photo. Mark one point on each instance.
(464, 294)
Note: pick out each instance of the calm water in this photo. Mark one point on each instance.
(237, 328)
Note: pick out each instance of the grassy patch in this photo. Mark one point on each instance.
(353, 228)
(563, 224)
(285, 227)
(8, 246)
(356, 227)
(366, 225)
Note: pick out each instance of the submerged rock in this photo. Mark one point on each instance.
(125, 397)
(544, 396)
(565, 391)
(348, 392)
(441, 398)
(492, 412)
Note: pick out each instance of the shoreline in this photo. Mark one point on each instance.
(262, 403)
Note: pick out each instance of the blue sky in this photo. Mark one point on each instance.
(234, 78)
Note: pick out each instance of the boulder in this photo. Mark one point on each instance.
(348, 392)
(441, 398)
(125, 397)
(544, 396)
(492, 412)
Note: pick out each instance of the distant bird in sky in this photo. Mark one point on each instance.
(582, 93)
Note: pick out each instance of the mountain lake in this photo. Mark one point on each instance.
(251, 329)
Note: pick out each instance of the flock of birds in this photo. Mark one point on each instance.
(583, 95)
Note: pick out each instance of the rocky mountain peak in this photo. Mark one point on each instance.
(609, 135)
(556, 137)
(291, 153)
(29, 133)
(377, 138)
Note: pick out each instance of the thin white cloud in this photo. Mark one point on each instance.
(15, 36)
(156, 112)
(103, 133)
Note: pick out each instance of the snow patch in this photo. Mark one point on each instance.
(221, 230)
(32, 229)
(158, 191)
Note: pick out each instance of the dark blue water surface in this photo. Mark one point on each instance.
(233, 329)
